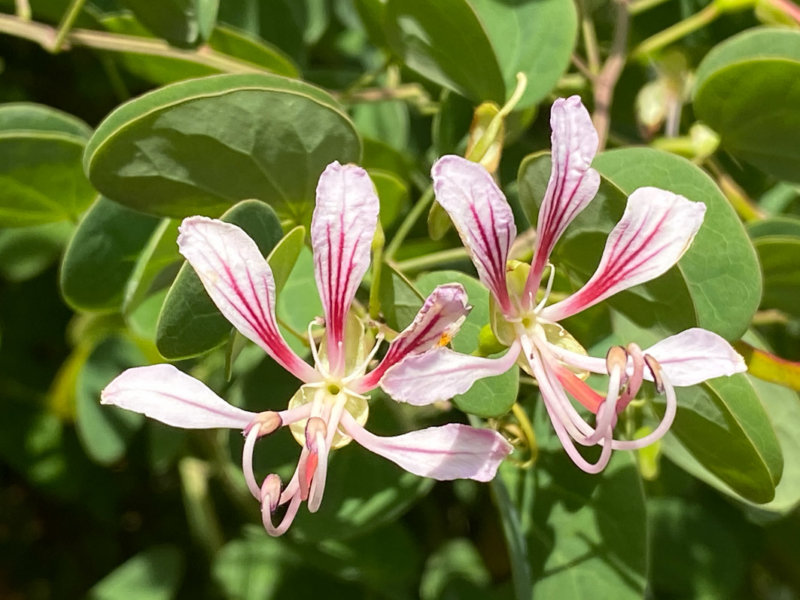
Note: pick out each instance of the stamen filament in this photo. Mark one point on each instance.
(551, 275)
(247, 462)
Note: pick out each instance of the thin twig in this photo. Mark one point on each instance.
(609, 74)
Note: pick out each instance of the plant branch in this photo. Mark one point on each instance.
(67, 22)
(677, 31)
(46, 37)
(609, 74)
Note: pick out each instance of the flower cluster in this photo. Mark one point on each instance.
(331, 407)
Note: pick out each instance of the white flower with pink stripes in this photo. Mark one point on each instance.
(330, 408)
(655, 230)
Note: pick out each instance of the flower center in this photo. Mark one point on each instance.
(330, 400)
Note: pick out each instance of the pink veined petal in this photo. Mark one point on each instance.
(448, 452)
(572, 185)
(441, 373)
(239, 281)
(342, 229)
(437, 321)
(695, 355)
(166, 394)
(654, 232)
(481, 215)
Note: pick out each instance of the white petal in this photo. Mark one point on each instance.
(452, 451)
(441, 373)
(573, 183)
(481, 215)
(239, 281)
(436, 322)
(695, 355)
(342, 229)
(166, 394)
(654, 232)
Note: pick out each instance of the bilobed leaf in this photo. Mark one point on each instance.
(491, 396)
(102, 255)
(189, 323)
(224, 39)
(745, 90)
(153, 574)
(476, 47)
(587, 534)
(400, 300)
(284, 255)
(159, 255)
(393, 194)
(200, 146)
(724, 426)
(28, 116)
(720, 263)
(105, 430)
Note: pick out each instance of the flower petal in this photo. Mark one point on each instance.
(436, 322)
(239, 281)
(695, 355)
(166, 394)
(481, 215)
(452, 451)
(654, 232)
(573, 183)
(342, 229)
(441, 373)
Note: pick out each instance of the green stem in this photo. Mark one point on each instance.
(640, 6)
(67, 21)
(589, 40)
(677, 31)
(431, 260)
(405, 227)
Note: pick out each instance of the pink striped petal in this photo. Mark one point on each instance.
(452, 451)
(695, 355)
(239, 281)
(481, 215)
(342, 229)
(436, 322)
(654, 232)
(441, 373)
(573, 183)
(166, 394)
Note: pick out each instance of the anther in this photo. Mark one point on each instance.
(655, 371)
(271, 491)
(267, 422)
(617, 358)
(314, 427)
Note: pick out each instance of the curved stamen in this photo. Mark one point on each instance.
(551, 275)
(362, 368)
(288, 517)
(315, 352)
(616, 359)
(247, 462)
(671, 409)
(635, 378)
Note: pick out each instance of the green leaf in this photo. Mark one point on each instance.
(156, 266)
(299, 303)
(689, 294)
(105, 431)
(182, 23)
(199, 146)
(102, 255)
(777, 242)
(189, 323)
(455, 570)
(386, 121)
(224, 40)
(724, 426)
(27, 251)
(41, 178)
(491, 396)
(587, 534)
(153, 574)
(27, 116)
(400, 300)
(284, 256)
(476, 47)
(745, 90)
(393, 194)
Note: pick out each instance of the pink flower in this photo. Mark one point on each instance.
(655, 230)
(330, 408)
